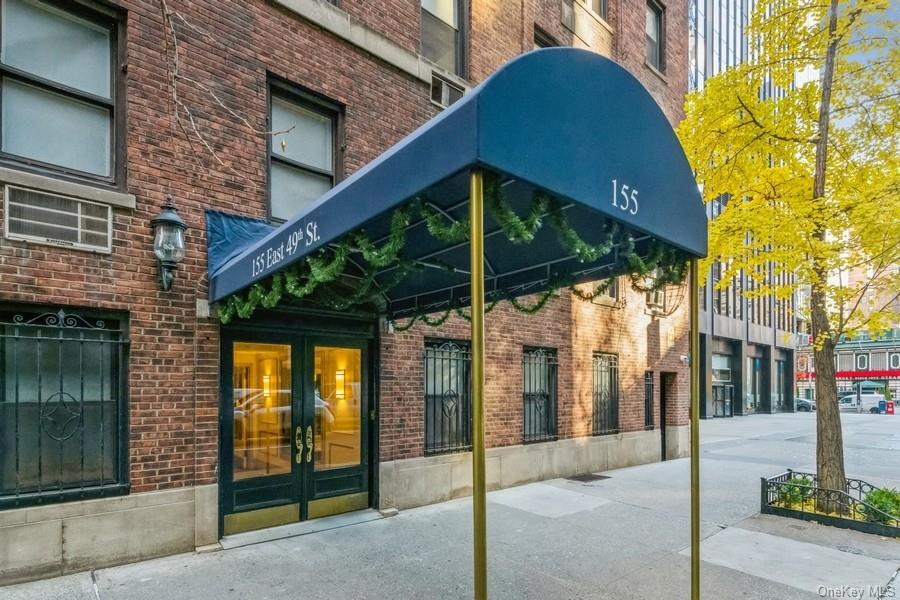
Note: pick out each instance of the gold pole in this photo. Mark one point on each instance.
(479, 499)
(695, 430)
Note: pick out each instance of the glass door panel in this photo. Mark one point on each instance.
(261, 390)
(337, 439)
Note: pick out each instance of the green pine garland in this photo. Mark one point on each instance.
(454, 233)
(386, 254)
(517, 230)
(601, 288)
(662, 265)
(569, 238)
(542, 301)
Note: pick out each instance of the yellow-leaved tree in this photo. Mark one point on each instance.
(800, 144)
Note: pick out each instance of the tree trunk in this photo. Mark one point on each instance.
(829, 437)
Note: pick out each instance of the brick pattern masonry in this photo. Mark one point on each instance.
(232, 48)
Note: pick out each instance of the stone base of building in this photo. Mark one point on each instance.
(419, 481)
(45, 541)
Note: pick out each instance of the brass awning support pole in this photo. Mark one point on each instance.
(479, 498)
(695, 430)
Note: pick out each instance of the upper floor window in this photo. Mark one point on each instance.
(302, 156)
(59, 61)
(598, 6)
(862, 362)
(654, 31)
(542, 39)
(894, 360)
(442, 34)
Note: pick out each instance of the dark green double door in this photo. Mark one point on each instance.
(295, 428)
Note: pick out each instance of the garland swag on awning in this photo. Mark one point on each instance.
(585, 181)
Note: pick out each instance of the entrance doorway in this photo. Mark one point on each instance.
(295, 428)
(723, 400)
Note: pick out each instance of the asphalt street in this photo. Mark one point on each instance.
(624, 536)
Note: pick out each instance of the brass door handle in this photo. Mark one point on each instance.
(309, 443)
(298, 442)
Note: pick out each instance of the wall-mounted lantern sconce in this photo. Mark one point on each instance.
(339, 384)
(267, 386)
(168, 242)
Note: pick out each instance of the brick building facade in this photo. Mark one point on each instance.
(187, 108)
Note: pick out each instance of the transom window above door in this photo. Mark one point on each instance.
(58, 62)
(302, 156)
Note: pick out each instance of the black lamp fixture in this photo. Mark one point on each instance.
(168, 242)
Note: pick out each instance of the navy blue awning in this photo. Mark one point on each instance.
(564, 121)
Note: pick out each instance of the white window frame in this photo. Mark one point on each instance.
(893, 360)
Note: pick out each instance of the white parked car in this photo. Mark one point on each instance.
(867, 403)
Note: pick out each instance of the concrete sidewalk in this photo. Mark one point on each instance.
(622, 537)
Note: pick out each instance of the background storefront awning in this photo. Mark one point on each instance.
(563, 121)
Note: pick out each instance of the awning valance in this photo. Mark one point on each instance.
(562, 122)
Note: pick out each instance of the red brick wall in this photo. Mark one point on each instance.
(576, 329)
(173, 370)
(669, 88)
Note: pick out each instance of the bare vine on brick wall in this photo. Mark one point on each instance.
(181, 111)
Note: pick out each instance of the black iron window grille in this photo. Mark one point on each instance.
(605, 380)
(539, 371)
(63, 419)
(648, 400)
(448, 410)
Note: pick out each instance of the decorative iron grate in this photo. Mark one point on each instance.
(448, 411)
(539, 382)
(605, 380)
(648, 400)
(63, 426)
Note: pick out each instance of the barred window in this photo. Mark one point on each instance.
(63, 423)
(605, 381)
(448, 409)
(539, 370)
(648, 400)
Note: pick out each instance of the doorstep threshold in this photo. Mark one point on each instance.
(239, 540)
